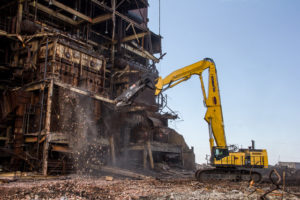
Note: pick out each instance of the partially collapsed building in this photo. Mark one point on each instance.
(62, 65)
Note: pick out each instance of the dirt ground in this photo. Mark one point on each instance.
(75, 187)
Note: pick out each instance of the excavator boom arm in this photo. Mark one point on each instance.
(213, 116)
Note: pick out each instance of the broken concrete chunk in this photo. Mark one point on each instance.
(109, 178)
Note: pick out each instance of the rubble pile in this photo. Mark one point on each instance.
(103, 188)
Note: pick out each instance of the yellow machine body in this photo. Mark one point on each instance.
(247, 158)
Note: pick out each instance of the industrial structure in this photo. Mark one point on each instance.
(290, 165)
(62, 65)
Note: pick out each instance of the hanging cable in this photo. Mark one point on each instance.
(35, 10)
(106, 32)
(159, 17)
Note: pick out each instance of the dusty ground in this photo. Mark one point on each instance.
(99, 188)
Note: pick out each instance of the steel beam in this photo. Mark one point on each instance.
(101, 18)
(70, 10)
(134, 36)
(53, 13)
(142, 53)
(82, 92)
(102, 5)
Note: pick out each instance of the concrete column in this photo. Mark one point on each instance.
(47, 128)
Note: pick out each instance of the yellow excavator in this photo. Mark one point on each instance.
(229, 162)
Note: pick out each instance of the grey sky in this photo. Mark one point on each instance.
(256, 47)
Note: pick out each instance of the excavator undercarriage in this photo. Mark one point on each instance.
(232, 174)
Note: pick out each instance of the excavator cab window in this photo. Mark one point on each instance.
(220, 153)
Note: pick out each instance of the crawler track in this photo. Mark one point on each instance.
(227, 174)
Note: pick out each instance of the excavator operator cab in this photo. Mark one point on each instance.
(220, 152)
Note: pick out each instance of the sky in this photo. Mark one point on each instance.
(256, 47)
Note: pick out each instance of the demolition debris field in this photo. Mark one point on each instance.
(103, 187)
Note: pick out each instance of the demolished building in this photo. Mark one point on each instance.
(62, 65)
